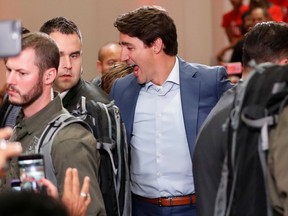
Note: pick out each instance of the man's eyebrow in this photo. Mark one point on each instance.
(76, 52)
(72, 53)
(124, 43)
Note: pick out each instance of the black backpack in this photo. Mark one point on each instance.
(259, 100)
(104, 121)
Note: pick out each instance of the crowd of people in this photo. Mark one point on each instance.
(239, 20)
(173, 110)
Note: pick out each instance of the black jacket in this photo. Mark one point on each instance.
(87, 89)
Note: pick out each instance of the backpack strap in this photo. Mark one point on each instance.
(223, 202)
(105, 109)
(108, 147)
(45, 142)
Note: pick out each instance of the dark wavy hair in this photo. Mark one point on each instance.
(149, 23)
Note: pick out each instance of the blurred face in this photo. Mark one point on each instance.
(248, 22)
(110, 56)
(136, 53)
(70, 67)
(258, 16)
(24, 85)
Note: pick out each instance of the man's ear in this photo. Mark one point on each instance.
(49, 76)
(158, 45)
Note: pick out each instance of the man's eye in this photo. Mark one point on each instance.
(74, 56)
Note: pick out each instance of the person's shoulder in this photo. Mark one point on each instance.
(96, 81)
(244, 8)
(74, 133)
(210, 75)
(124, 81)
(202, 68)
(228, 14)
(127, 78)
(227, 18)
(93, 92)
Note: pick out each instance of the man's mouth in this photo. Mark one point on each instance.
(135, 68)
(65, 76)
(11, 90)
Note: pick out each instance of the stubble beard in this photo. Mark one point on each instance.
(31, 96)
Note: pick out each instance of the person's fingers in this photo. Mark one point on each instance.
(68, 185)
(85, 190)
(5, 133)
(51, 189)
(76, 184)
(86, 185)
(8, 150)
(11, 149)
(87, 201)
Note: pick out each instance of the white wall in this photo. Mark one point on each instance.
(200, 34)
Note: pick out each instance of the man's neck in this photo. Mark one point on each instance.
(163, 69)
(36, 106)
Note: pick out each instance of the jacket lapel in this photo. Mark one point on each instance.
(71, 93)
(189, 89)
(131, 92)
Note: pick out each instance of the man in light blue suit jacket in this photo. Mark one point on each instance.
(163, 105)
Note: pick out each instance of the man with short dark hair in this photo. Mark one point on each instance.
(30, 77)
(265, 42)
(68, 81)
(163, 105)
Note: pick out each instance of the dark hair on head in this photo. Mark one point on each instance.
(259, 3)
(149, 23)
(62, 25)
(266, 42)
(46, 51)
(30, 204)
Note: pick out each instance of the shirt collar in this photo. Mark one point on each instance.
(63, 94)
(173, 76)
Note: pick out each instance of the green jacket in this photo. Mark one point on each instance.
(277, 163)
(74, 146)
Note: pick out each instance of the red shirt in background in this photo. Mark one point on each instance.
(276, 13)
(284, 5)
(233, 20)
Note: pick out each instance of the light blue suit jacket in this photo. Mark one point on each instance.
(201, 87)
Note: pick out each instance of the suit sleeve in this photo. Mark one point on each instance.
(223, 83)
(75, 147)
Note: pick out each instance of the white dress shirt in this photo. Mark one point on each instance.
(161, 164)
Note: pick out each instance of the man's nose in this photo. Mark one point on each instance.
(66, 62)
